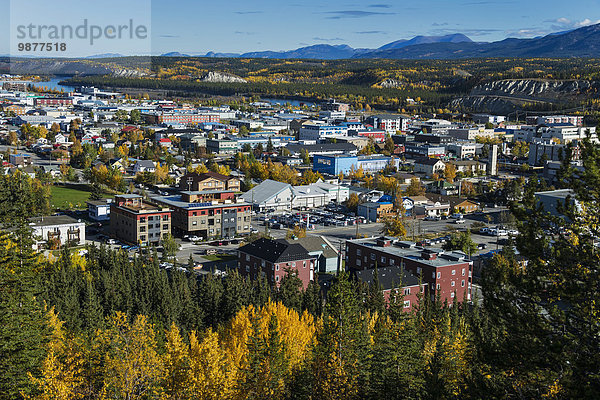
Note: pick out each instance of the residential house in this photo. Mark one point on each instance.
(144, 166)
(193, 181)
(136, 221)
(429, 166)
(99, 210)
(375, 212)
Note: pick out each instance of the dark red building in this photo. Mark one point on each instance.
(394, 281)
(271, 258)
(445, 273)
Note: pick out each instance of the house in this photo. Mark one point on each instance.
(55, 231)
(375, 212)
(466, 207)
(61, 139)
(273, 259)
(447, 274)
(165, 142)
(99, 210)
(144, 166)
(442, 187)
(432, 209)
(429, 166)
(394, 281)
(470, 167)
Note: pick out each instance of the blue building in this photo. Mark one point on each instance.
(335, 164)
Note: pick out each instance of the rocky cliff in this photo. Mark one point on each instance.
(221, 77)
(508, 95)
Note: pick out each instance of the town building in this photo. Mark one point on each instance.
(447, 274)
(52, 232)
(334, 164)
(375, 212)
(99, 210)
(136, 221)
(320, 132)
(395, 283)
(272, 259)
(429, 166)
(208, 215)
(193, 181)
(390, 123)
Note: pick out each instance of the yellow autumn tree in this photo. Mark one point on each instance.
(177, 363)
(62, 370)
(211, 372)
(132, 367)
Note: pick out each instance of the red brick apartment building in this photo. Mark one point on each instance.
(394, 281)
(445, 273)
(271, 259)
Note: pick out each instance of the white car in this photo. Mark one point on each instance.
(195, 238)
(460, 221)
(513, 232)
(433, 218)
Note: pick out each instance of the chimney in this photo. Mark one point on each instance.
(384, 242)
(428, 255)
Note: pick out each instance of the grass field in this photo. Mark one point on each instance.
(219, 257)
(73, 197)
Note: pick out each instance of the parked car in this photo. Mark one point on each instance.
(433, 218)
(195, 238)
(460, 221)
(482, 246)
(456, 216)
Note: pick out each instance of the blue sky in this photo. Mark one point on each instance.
(195, 27)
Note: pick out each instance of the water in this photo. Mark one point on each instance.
(54, 85)
(293, 103)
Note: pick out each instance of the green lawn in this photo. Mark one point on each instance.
(68, 197)
(219, 257)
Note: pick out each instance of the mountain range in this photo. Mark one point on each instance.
(582, 42)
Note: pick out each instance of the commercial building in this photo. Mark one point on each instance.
(375, 212)
(99, 210)
(180, 117)
(56, 231)
(273, 258)
(193, 181)
(335, 164)
(136, 221)
(429, 166)
(445, 273)
(208, 215)
(575, 120)
(222, 146)
(390, 123)
(321, 132)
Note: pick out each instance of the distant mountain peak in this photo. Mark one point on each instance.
(451, 38)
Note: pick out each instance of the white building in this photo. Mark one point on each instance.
(57, 230)
(321, 132)
(99, 210)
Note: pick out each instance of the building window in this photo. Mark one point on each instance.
(247, 268)
(462, 283)
(383, 260)
(372, 256)
(194, 223)
(433, 275)
(419, 270)
(277, 278)
(438, 286)
(358, 262)
(452, 295)
(453, 272)
(277, 267)
(165, 217)
(142, 229)
(247, 257)
(143, 239)
(439, 275)
(406, 303)
(452, 283)
(406, 291)
(358, 252)
(463, 272)
(392, 261)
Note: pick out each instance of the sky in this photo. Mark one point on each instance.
(196, 27)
